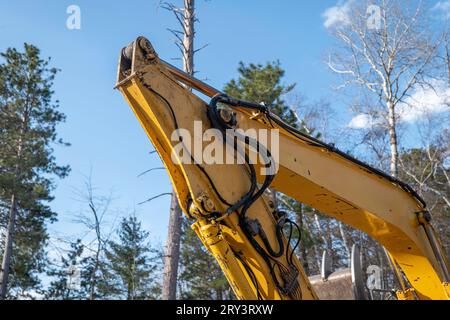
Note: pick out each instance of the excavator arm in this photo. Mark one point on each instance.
(228, 202)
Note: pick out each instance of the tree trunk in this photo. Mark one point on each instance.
(301, 247)
(188, 40)
(304, 260)
(447, 54)
(393, 139)
(99, 249)
(94, 273)
(345, 241)
(8, 248)
(7, 252)
(329, 241)
(317, 256)
(325, 236)
(219, 294)
(319, 229)
(172, 254)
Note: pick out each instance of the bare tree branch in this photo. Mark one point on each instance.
(155, 197)
(149, 170)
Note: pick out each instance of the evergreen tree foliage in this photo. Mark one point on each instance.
(130, 269)
(259, 83)
(28, 120)
(65, 285)
(200, 275)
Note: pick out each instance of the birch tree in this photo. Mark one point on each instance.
(426, 168)
(386, 49)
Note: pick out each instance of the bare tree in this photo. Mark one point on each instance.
(426, 168)
(172, 254)
(94, 221)
(344, 240)
(447, 55)
(184, 40)
(434, 149)
(386, 48)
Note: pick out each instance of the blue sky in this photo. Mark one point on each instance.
(104, 134)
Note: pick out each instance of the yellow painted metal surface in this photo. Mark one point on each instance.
(364, 200)
(315, 176)
(231, 180)
(407, 294)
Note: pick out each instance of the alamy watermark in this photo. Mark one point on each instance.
(73, 21)
(73, 281)
(373, 20)
(237, 146)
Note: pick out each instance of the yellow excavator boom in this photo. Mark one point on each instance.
(228, 203)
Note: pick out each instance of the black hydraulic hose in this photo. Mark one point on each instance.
(290, 287)
(214, 117)
(315, 142)
(248, 199)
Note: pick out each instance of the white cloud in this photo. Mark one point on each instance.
(338, 14)
(361, 121)
(421, 102)
(444, 7)
(424, 101)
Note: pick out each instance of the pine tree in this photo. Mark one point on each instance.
(259, 83)
(200, 276)
(64, 285)
(130, 269)
(28, 119)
